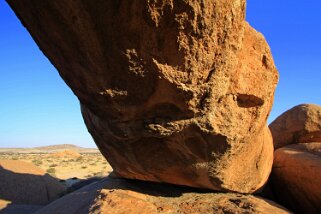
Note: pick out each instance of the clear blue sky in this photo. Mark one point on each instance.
(37, 108)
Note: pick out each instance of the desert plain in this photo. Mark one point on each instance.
(62, 161)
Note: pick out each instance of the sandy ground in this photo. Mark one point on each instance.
(67, 166)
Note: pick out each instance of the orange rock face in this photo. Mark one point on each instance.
(301, 124)
(296, 177)
(296, 174)
(171, 91)
(24, 183)
(117, 196)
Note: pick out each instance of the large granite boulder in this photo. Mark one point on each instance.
(127, 196)
(300, 124)
(23, 183)
(296, 177)
(171, 91)
(296, 174)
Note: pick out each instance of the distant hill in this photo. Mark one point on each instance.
(50, 149)
(58, 147)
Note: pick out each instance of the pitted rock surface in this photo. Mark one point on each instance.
(171, 91)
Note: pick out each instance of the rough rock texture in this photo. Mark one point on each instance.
(296, 177)
(25, 184)
(127, 196)
(172, 90)
(301, 124)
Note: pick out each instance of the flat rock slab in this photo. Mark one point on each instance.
(6, 207)
(114, 196)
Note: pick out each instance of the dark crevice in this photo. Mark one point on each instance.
(264, 61)
(249, 100)
(210, 73)
(203, 99)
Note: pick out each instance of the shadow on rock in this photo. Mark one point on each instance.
(26, 187)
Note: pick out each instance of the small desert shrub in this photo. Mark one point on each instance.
(37, 162)
(53, 165)
(51, 170)
(98, 174)
(84, 167)
(79, 159)
(88, 176)
(15, 158)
